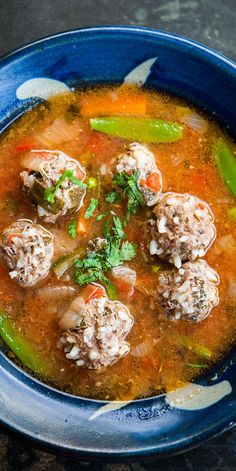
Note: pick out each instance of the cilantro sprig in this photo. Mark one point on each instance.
(129, 184)
(91, 208)
(113, 253)
(112, 197)
(50, 192)
(72, 229)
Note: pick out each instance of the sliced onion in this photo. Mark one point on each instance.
(55, 293)
(225, 244)
(35, 160)
(63, 243)
(59, 131)
(124, 279)
(195, 122)
(141, 350)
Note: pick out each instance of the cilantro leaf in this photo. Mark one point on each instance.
(99, 217)
(89, 276)
(91, 208)
(72, 229)
(113, 257)
(128, 251)
(76, 181)
(118, 228)
(93, 275)
(112, 197)
(50, 192)
(111, 291)
(106, 230)
(111, 254)
(129, 185)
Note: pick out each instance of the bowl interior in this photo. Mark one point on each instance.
(152, 59)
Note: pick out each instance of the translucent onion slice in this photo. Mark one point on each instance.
(195, 122)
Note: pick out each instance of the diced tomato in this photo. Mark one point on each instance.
(24, 146)
(11, 236)
(92, 292)
(201, 206)
(154, 181)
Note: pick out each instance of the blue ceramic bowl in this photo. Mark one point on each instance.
(164, 424)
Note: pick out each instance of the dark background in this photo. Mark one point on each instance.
(212, 22)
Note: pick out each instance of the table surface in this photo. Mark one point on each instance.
(209, 21)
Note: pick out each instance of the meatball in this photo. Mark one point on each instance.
(189, 293)
(95, 331)
(44, 169)
(140, 158)
(27, 249)
(182, 228)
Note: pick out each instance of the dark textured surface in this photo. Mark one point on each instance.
(212, 22)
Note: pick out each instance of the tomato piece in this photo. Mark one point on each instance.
(93, 292)
(24, 146)
(153, 181)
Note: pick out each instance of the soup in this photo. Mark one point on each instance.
(118, 240)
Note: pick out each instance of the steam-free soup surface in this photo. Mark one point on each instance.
(164, 354)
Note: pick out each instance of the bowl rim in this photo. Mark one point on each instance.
(13, 53)
(229, 66)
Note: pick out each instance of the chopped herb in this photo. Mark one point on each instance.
(106, 230)
(91, 208)
(129, 185)
(99, 217)
(128, 251)
(112, 197)
(50, 192)
(113, 253)
(72, 229)
(118, 229)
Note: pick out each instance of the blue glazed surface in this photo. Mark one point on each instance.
(148, 426)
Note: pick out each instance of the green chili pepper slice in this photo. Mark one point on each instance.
(66, 262)
(36, 193)
(21, 347)
(226, 162)
(140, 129)
(197, 348)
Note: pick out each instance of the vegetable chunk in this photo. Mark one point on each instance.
(139, 129)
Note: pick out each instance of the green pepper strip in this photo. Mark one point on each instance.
(226, 162)
(66, 262)
(197, 348)
(140, 129)
(36, 193)
(21, 347)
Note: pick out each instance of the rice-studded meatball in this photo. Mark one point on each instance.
(140, 158)
(27, 249)
(44, 169)
(189, 293)
(95, 332)
(182, 228)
